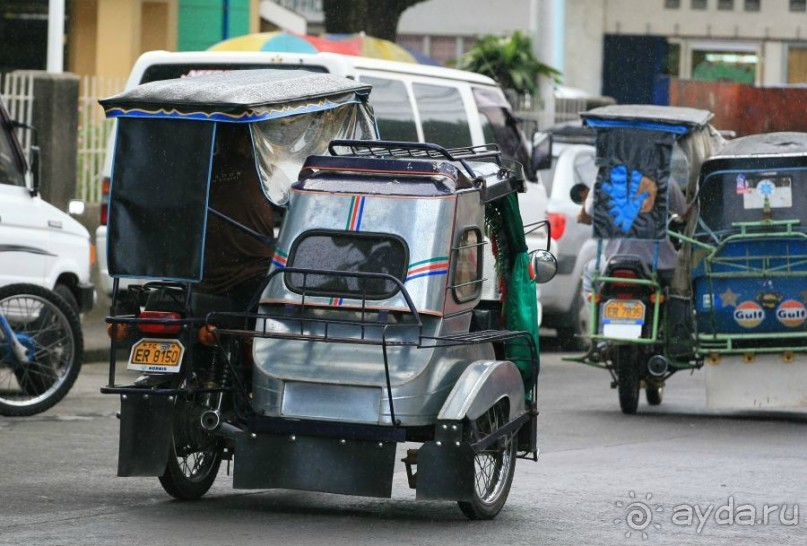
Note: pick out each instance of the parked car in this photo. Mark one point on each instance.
(573, 162)
(39, 243)
(411, 102)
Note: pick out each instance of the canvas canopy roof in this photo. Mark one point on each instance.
(240, 96)
(768, 144)
(646, 116)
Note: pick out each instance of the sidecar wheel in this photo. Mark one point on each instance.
(195, 456)
(654, 395)
(493, 467)
(626, 362)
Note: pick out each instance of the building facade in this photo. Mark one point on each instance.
(105, 37)
(636, 42)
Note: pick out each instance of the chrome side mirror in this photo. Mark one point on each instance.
(545, 265)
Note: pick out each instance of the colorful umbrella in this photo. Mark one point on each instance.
(346, 44)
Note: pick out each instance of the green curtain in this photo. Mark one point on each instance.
(519, 310)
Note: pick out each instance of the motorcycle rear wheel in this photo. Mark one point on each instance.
(626, 362)
(195, 455)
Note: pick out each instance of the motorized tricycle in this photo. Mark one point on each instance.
(368, 324)
(640, 301)
(749, 273)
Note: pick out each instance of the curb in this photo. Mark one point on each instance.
(96, 355)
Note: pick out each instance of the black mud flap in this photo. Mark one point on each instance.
(445, 471)
(330, 465)
(145, 434)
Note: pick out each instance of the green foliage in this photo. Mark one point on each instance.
(509, 61)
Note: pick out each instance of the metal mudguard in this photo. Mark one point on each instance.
(481, 385)
(145, 434)
(445, 467)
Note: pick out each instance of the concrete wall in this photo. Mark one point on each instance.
(55, 118)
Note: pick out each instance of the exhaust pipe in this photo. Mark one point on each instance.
(658, 365)
(211, 422)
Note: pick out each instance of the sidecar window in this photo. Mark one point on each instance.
(740, 196)
(468, 266)
(283, 144)
(350, 252)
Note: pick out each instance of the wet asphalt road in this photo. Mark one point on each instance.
(685, 467)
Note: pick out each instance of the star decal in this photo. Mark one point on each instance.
(729, 298)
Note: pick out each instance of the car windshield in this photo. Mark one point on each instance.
(11, 171)
(499, 125)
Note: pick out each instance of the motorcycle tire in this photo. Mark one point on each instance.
(50, 329)
(654, 395)
(626, 363)
(195, 455)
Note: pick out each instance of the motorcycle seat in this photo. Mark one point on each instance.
(631, 263)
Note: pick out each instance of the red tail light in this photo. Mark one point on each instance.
(557, 224)
(154, 328)
(624, 274)
(104, 201)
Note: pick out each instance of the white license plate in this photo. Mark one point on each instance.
(156, 355)
(622, 319)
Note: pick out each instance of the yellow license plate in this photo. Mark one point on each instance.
(156, 355)
(630, 311)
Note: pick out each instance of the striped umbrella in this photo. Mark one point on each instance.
(347, 44)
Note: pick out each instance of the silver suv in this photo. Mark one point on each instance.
(573, 162)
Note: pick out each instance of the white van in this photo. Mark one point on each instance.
(411, 102)
(39, 244)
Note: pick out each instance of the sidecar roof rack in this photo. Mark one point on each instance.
(418, 150)
(353, 164)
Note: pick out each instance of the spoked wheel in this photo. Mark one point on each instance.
(654, 395)
(49, 332)
(493, 467)
(195, 455)
(626, 362)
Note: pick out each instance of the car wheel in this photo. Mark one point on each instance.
(573, 338)
(65, 293)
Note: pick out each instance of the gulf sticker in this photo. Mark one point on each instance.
(791, 313)
(748, 314)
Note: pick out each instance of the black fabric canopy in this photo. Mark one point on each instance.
(239, 95)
